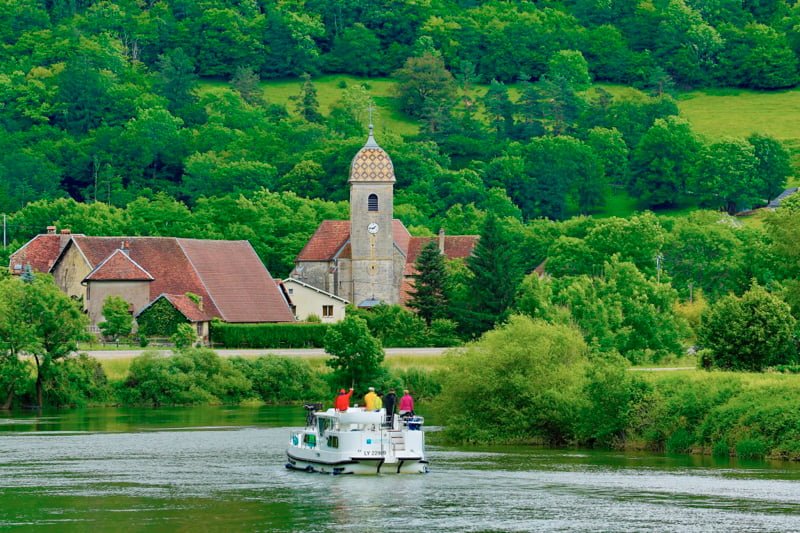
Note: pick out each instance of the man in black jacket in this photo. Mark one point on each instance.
(389, 403)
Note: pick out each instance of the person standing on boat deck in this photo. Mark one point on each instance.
(406, 403)
(342, 402)
(369, 399)
(389, 401)
(378, 401)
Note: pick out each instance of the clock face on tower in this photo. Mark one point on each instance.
(372, 228)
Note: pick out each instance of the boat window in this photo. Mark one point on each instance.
(333, 441)
(310, 440)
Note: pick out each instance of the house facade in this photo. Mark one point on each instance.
(308, 300)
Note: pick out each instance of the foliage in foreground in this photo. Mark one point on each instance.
(530, 381)
(518, 382)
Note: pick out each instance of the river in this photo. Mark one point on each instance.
(221, 469)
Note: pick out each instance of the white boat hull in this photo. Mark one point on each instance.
(364, 465)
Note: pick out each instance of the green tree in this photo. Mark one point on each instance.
(499, 108)
(424, 83)
(707, 251)
(726, 175)
(246, 82)
(356, 355)
(176, 79)
(495, 273)
(357, 50)
(612, 152)
(749, 333)
(430, 293)
(773, 165)
(306, 103)
(118, 320)
(38, 319)
(663, 162)
(572, 67)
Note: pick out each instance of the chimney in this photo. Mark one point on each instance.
(200, 302)
(124, 247)
(441, 241)
(51, 230)
(66, 231)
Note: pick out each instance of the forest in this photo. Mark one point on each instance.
(156, 118)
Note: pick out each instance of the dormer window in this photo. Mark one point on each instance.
(372, 202)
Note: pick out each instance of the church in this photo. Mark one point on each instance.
(369, 259)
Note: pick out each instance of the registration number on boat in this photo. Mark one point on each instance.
(375, 452)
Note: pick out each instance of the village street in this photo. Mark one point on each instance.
(302, 352)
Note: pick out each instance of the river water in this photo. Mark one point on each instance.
(221, 469)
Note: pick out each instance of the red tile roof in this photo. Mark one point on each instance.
(228, 275)
(237, 281)
(119, 267)
(333, 235)
(40, 252)
(187, 307)
(330, 236)
(401, 235)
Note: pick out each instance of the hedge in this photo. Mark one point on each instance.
(268, 335)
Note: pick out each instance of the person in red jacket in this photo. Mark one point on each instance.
(342, 402)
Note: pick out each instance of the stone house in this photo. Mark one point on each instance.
(226, 277)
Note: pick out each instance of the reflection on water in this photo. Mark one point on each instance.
(222, 469)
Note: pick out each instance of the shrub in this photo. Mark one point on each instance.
(193, 376)
(15, 380)
(751, 449)
(184, 336)
(281, 379)
(443, 333)
(519, 382)
(613, 397)
(393, 325)
(679, 442)
(424, 385)
(749, 333)
(721, 449)
(75, 381)
(291, 335)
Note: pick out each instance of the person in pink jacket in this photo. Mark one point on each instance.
(406, 403)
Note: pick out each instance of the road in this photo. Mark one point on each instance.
(307, 352)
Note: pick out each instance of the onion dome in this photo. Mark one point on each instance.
(372, 163)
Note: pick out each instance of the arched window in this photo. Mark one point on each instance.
(372, 202)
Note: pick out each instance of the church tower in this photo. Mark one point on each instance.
(371, 237)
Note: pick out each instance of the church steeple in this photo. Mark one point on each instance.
(371, 237)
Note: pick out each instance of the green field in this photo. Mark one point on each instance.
(387, 118)
(739, 113)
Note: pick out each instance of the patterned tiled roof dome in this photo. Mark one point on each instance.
(372, 163)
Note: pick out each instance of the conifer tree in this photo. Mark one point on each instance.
(430, 298)
(496, 271)
(306, 103)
